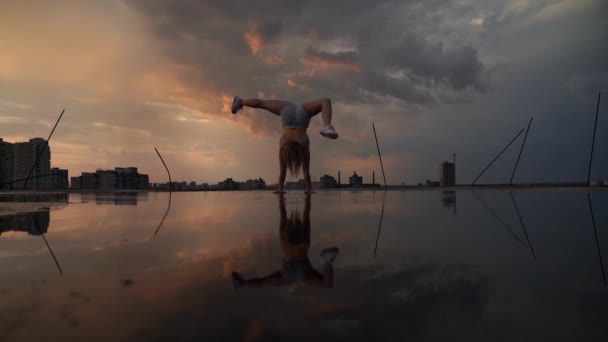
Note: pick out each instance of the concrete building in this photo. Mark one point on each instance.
(355, 180)
(118, 179)
(447, 174)
(228, 184)
(7, 164)
(75, 182)
(41, 156)
(255, 184)
(327, 182)
(87, 180)
(22, 163)
(106, 179)
(59, 179)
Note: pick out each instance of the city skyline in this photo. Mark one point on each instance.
(458, 78)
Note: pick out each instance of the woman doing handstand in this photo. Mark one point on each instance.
(294, 145)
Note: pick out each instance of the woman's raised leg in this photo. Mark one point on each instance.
(273, 106)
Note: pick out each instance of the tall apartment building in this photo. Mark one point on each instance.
(7, 164)
(40, 174)
(447, 174)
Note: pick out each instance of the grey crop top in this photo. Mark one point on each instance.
(294, 116)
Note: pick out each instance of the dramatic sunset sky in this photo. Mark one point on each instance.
(436, 77)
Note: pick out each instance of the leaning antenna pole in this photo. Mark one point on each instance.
(379, 155)
(597, 110)
(43, 149)
(501, 152)
(170, 188)
(520, 151)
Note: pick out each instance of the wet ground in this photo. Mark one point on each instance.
(489, 265)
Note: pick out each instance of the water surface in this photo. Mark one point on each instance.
(442, 266)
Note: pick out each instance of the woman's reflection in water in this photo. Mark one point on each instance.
(295, 242)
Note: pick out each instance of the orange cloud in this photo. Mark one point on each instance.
(310, 73)
(254, 39)
(317, 61)
(291, 83)
(274, 60)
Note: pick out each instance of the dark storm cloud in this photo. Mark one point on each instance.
(244, 49)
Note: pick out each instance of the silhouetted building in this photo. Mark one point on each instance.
(355, 180)
(328, 182)
(42, 169)
(105, 179)
(58, 179)
(255, 184)
(7, 164)
(432, 183)
(120, 178)
(447, 174)
(75, 182)
(228, 184)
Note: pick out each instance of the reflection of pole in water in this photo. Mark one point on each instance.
(169, 205)
(47, 243)
(498, 218)
(597, 242)
(521, 221)
(380, 224)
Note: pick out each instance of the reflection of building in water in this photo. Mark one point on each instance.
(34, 223)
(448, 199)
(36, 198)
(115, 198)
(447, 174)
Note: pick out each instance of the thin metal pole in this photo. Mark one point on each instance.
(597, 110)
(380, 225)
(44, 148)
(379, 155)
(170, 188)
(501, 152)
(521, 221)
(597, 242)
(520, 151)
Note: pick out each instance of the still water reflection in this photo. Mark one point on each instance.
(294, 234)
(526, 265)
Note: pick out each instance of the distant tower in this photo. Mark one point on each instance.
(339, 182)
(373, 177)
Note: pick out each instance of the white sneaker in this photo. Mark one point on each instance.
(329, 132)
(237, 104)
(330, 254)
(237, 280)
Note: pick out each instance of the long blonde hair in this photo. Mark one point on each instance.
(293, 155)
